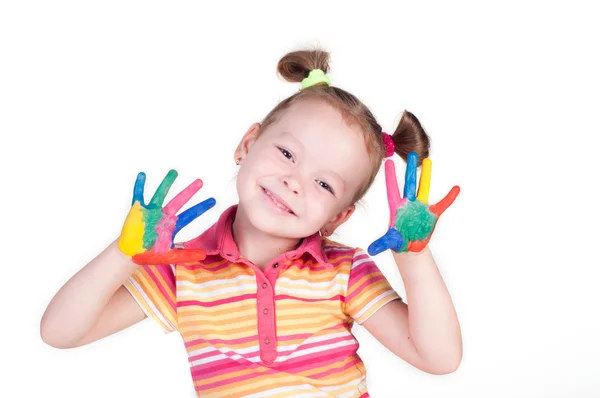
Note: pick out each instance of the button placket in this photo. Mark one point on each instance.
(266, 319)
(266, 312)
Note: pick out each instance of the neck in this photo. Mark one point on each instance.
(257, 246)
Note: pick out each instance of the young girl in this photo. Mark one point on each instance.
(263, 300)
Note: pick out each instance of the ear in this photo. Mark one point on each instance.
(338, 220)
(246, 142)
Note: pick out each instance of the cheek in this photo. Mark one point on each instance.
(258, 164)
(320, 207)
(244, 181)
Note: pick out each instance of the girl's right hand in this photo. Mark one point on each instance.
(148, 233)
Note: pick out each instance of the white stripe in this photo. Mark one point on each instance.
(217, 282)
(373, 302)
(312, 350)
(294, 348)
(362, 386)
(255, 348)
(359, 262)
(288, 281)
(219, 357)
(311, 293)
(234, 290)
(295, 353)
(330, 247)
(281, 390)
(201, 351)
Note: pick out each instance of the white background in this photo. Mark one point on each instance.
(91, 93)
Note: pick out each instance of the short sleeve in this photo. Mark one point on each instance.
(368, 289)
(154, 289)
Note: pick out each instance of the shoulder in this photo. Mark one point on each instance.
(336, 249)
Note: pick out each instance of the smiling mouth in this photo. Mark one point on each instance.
(277, 202)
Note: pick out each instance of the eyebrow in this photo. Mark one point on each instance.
(285, 134)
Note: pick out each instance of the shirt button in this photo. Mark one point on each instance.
(267, 341)
(275, 265)
(264, 285)
(265, 311)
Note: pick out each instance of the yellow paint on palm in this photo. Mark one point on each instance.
(424, 181)
(131, 241)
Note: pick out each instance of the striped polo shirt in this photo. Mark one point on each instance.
(281, 332)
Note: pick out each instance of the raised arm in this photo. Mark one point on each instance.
(94, 303)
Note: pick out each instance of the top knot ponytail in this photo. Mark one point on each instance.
(410, 136)
(296, 66)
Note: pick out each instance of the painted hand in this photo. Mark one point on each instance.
(148, 232)
(412, 220)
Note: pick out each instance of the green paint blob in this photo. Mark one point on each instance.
(151, 217)
(415, 221)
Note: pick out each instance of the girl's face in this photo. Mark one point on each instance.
(302, 172)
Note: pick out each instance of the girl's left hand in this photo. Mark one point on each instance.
(412, 220)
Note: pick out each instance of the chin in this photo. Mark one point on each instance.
(272, 222)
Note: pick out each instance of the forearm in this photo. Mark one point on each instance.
(77, 306)
(433, 323)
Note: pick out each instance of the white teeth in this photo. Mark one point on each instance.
(279, 204)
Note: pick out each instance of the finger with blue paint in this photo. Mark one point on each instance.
(412, 221)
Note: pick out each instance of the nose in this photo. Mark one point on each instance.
(292, 184)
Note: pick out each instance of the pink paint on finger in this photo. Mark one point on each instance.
(164, 231)
(182, 197)
(393, 192)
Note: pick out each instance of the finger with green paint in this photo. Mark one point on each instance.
(412, 219)
(149, 230)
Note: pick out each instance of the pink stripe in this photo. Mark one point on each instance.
(342, 251)
(209, 266)
(340, 369)
(230, 344)
(360, 256)
(210, 369)
(215, 303)
(321, 358)
(360, 272)
(362, 287)
(308, 300)
(167, 274)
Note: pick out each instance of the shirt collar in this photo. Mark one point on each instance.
(218, 239)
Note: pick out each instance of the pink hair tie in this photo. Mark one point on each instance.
(390, 147)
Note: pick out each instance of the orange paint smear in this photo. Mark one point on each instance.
(169, 257)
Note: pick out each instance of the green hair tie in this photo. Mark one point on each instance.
(315, 76)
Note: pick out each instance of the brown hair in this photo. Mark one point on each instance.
(409, 136)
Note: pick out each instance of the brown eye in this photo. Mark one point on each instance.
(325, 185)
(286, 153)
